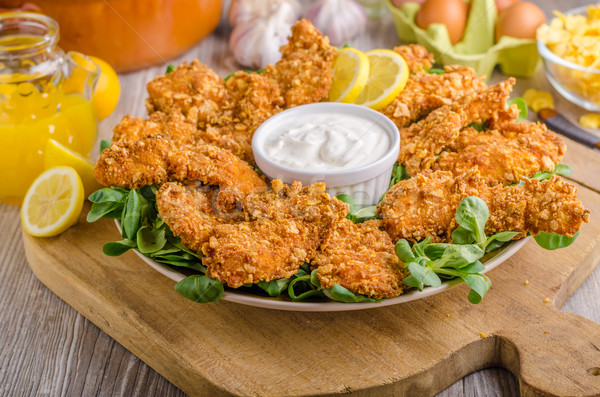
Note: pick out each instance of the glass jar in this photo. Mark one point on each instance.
(44, 94)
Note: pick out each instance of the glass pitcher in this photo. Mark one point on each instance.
(44, 94)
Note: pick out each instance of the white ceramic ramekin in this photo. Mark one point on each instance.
(366, 184)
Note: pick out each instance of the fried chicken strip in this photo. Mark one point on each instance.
(157, 159)
(305, 71)
(263, 250)
(425, 205)
(190, 211)
(423, 140)
(192, 89)
(285, 227)
(172, 125)
(425, 92)
(416, 56)
(360, 258)
(234, 137)
(251, 99)
(503, 157)
(310, 203)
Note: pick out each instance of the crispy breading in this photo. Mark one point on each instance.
(235, 137)
(416, 56)
(425, 92)
(310, 203)
(425, 206)
(421, 206)
(190, 211)
(423, 140)
(171, 125)
(193, 90)
(360, 258)
(253, 97)
(285, 227)
(305, 70)
(157, 159)
(503, 157)
(262, 250)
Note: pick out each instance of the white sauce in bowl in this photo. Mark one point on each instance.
(327, 142)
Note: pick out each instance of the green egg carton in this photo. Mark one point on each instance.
(516, 57)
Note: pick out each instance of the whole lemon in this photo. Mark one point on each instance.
(108, 90)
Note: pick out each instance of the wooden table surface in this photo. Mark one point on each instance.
(47, 348)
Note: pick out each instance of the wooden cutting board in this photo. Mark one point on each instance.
(416, 348)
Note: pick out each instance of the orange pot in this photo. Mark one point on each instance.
(130, 34)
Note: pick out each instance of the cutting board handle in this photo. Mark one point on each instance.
(547, 366)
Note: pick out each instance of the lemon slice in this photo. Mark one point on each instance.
(53, 202)
(350, 74)
(57, 154)
(388, 73)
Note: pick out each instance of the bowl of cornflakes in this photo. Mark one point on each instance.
(570, 48)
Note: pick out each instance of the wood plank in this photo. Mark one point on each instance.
(408, 345)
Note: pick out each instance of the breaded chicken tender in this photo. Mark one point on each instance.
(285, 227)
(192, 89)
(425, 206)
(360, 258)
(416, 56)
(310, 203)
(235, 137)
(251, 99)
(172, 126)
(423, 140)
(503, 157)
(425, 92)
(262, 250)
(157, 159)
(190, 211)
(305, 71)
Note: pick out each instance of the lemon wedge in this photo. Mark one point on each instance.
(56, 154)
(53, 202)
(350, 74)
(388, 73)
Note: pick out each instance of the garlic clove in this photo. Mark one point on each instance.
(246, 10)
(340, 20)
(255, 44)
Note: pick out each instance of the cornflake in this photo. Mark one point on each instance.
(576, 39)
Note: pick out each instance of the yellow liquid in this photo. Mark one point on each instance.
(24, 131)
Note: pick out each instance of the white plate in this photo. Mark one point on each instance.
(490, 261)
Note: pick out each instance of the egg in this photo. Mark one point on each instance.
(451, 13)
(502, 5)
(520, 20)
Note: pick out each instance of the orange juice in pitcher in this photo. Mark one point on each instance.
(44, 94)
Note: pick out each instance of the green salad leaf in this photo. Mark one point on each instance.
(200, 288)
(340, 294)
(429, 263)
(104, 144)
(552, 241)
(358, 214)
(398, 174)
(521, 105)
(436, 71)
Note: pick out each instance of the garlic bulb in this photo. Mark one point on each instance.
(247, 10)
(255, 43)
(340, 20)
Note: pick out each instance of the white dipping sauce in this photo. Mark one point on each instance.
(327, 142)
